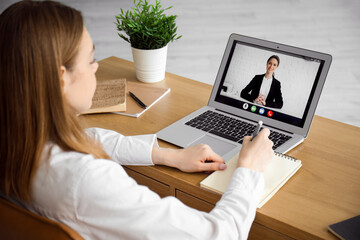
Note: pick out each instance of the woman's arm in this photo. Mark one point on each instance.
(277, 99)
(144, 150)
(126, 150)
(193, 159)
(250, 87)
(109, 204)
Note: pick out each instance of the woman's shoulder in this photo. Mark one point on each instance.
(55, 158)
(276, 81)
(259, 76)
(59, 176)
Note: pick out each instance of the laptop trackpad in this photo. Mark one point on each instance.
(218, 146)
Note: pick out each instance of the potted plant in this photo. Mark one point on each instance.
(148, 31)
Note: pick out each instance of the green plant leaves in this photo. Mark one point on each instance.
(146, 25)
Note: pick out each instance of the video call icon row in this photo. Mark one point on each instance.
(261, 110)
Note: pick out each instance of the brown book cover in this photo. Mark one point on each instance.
(147, 93)
(110, 96)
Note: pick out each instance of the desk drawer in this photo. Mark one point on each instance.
(160, 188)
(193, 202)
(259, 231)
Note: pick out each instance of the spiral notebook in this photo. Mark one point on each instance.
(280, 170)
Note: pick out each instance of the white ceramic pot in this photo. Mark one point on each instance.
(150, 64)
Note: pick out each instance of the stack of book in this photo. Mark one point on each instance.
(113, 96)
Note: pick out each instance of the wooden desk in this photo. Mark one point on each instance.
(324, 191)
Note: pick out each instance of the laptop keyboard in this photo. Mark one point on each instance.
(231, 128)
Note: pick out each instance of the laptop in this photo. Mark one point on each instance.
(257, 80)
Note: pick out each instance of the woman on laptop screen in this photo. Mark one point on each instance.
(59, 170)
(265, 89)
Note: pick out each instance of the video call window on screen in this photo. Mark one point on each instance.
(269, 83)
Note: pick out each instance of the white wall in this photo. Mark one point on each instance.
(296, 76)
(329, 26)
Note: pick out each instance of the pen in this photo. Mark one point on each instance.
(257, 129)
(137, 100)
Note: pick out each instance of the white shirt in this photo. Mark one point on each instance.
(97, 198)
(265, 87)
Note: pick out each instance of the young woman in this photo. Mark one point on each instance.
(53, 167)
(265, 89)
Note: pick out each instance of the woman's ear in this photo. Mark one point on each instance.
(64, 79)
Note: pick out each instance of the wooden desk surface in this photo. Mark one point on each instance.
(324, 191)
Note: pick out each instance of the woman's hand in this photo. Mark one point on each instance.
(197, 158)
(256, 154)
(260, 100)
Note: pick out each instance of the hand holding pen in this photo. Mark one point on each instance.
(257, 129)
(256, 154)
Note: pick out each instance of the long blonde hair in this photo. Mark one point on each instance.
(36, 38)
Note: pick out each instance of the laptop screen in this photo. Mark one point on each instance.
(272, 83)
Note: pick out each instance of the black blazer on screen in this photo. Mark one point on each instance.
(252, 90)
